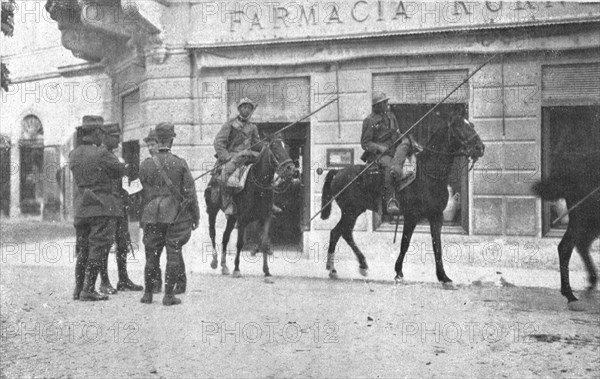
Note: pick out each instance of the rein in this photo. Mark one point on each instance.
(270, 186)
(460, 152)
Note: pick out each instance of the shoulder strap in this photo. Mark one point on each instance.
(165, 177)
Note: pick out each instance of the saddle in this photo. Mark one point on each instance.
(237, 180)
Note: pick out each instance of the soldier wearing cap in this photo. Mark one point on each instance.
(170, 212)
(152, 145)
(236, 144)
(379, 132)
(112, 136)
(95, 206)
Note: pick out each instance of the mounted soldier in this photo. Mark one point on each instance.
(379, 132)
(111, 139)
(236, 144)
(170, 213)
(95, 207)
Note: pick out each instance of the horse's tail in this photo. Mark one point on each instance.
(550, 189)
(326, 197)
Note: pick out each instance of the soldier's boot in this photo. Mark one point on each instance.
(79, 278)
(125, 284)
(157, 281)
(89, 283)
(390, 202)
(172, 273)
(148, 283)
(105, 286)
(181, 283)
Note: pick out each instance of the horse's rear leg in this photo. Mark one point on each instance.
(334, 237)
(228, 229)
(583, 241)
(348, 221)
(410, 222)
(239, 246)
(435, 224)
(212, 217)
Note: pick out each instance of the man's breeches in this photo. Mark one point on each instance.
(173, 237)
(94, 237)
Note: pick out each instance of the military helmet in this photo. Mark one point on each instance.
(246, 100)
(90, 122)
(379, 97)
(151, 136)
(112, 129)
(165, 130)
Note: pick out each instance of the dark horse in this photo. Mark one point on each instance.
(573, 178)
(426, 197)
(253, 203)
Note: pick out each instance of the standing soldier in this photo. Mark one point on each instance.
(152, 145)
(170, 212)
(379, 132)
(112, 136)
(95, 207)
(232, 144)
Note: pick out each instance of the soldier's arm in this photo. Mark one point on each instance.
(220, 143)
(145, 170)
(189, 192)
(366, 140)
(111, 164)
(255, 140)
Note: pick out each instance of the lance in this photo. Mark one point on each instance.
(576, 205)
(277, 132)
(402, 136)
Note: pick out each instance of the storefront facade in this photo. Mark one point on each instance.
(189, 62)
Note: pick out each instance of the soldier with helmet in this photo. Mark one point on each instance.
(111, 139)
(236, 144)
(170, 212)
(96, 208)
(379, 132)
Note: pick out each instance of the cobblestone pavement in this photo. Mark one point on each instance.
(303, 325)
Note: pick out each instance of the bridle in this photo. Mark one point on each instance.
(278, 166)
(461, 151)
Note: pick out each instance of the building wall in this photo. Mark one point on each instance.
(50, 83)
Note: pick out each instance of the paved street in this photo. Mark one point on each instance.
(303, 325)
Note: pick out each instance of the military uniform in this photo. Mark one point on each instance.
(379, 132)
(95, 207)
(233, 145)
(122, 237)
(165, 223)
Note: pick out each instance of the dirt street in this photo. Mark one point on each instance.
(299, 326)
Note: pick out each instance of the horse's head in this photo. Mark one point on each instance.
(280, 158)
(464, 140)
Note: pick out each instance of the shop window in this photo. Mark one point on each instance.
(31, 146)
(5, 175)
(568, 132)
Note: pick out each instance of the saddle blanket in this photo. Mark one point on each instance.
(409, 172)
(237, 180)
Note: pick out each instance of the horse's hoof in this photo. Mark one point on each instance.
(577, 306)
(364, 271)
(225, 270)
(269, 279)
(333, 275)
(399, 279)
(214, 264)
(449, 286)
(237, 274)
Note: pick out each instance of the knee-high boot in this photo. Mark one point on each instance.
(80, 264)
(125, 284)
(172, 273)
(89, 283)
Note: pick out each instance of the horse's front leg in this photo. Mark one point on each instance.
(334, 237)
(228, 229)
(212, 217)
(348, 221)
(410, 222)
(435, 224)
(239, 246)
(265, 247)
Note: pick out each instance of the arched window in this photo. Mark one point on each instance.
(31, 145)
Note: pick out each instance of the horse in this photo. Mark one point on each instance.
(425, 197)
(254, 202)
(573, 178)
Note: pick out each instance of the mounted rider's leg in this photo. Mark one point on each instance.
(227, 203)
(389, 196)
(395, 171)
